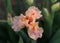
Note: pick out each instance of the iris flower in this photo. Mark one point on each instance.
(29, 21)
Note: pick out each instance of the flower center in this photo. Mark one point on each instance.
(24, 19)
(33, 14)
(34, 29)
(30, 20)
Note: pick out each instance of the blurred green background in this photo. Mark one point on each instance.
(50, 20)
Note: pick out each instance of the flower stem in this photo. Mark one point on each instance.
(9, 7)
(33, 41)
(3, 20)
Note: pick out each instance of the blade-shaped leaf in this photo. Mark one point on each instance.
(33, 41)
(47, 15)
(56, 37)
(9, 7)
(20, 40)
(24, 37)
(47, 24)
(13, 37)
(56, 22)
(56, 41)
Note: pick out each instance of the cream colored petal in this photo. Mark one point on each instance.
(35, 10)
(18, 24)
(35, 34)
(21, 16)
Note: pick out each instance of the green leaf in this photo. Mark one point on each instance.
(56, 37)
(24, 36)
(33, 41)
(9, 7)
(3, 30)
(55, 13)
(46, 14)
(56, 22)
(13, 37)
(48, 23)
(20, 40)
(56, 41)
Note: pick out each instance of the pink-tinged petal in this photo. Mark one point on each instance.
(21, 16)
(33, 12)
(18, 24)
(35, 34)
(15, 23)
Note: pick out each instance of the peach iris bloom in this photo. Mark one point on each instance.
(29, 21)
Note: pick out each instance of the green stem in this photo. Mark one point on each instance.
(3, 20)
(34, 41)
(9, 7)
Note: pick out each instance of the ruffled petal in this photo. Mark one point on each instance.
(18, 24)
(33, 12)
(35, 34)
